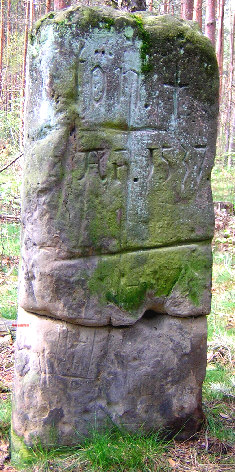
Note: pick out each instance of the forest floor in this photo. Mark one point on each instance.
(213, 448)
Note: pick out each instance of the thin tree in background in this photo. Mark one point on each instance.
(31, 14)
(210, 22)
(166, 6)
(26, 34)
(220, 40)
(48, 6)
(197, 12)
(8, 75)
(8, 22)
(230, 116)
(187, 9)
(231, 148)
(1, 42)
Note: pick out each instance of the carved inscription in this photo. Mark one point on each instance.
(193, 163)
(175, 87)
(120, 161)
(67, 360)
(99, 158)
(201, 155)
(81, 161)
(98, 83)
(129, 92)
(159, 162)
(186, 164)
(162, 163)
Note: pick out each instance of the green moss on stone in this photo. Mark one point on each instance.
(145, 48)
(193, 277)
(108, 23)
(126, 279)
(21, 454)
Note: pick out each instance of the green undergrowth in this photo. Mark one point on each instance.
(10, 181)
(9, 257)
(219, 384)
(222, 179)
(9, 240)
(109, 451)
(8, 299)
(5, 416)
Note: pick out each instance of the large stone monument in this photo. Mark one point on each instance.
(117, 223)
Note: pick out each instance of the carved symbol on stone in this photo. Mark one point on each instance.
(193, 165)
(99, 158)
(129, 91)
(81, 50)
(201, 154)
(120, 164)
(175, 86)
(98, 83)
(79, 164)
(187, 170)
(159, 163)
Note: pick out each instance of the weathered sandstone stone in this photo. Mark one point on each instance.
(71, 377)
(117, 220)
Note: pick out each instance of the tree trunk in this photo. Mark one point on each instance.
(60, 4)
(7, 77)
(229, 118)
(220, 41)
(1, 41)
(187, 9)
(197, 12)
(133, 5)
(31, 14)
(8, 23)
(26, 33)
(210, 20)
(48, 6)
(231, 148)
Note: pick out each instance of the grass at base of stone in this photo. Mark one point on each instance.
(219, 406)
(109, 451)
(117, 451)
(221, 430)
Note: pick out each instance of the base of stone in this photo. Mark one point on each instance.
(70, 378)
